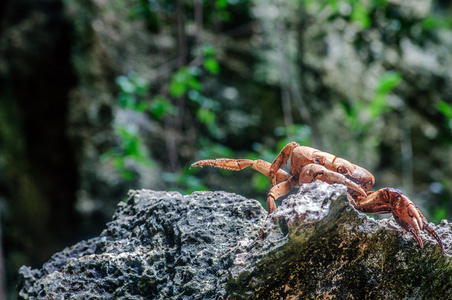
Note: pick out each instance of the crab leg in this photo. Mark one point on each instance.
(277, 191)
(287, 182)
(313, 172)
(240, 164)
(406, 214)
(280, 160)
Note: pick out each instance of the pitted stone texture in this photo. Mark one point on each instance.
(316, 246)
(205, 246)
(159, 246)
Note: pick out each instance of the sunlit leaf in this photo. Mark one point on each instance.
(221, 3)
(360, 14)
(178, 85)
(211, 65)
(389, 81)
(378, 106)
(445, 109)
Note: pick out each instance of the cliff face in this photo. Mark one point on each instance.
(162, 245)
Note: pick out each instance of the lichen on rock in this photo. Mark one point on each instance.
(214, 245)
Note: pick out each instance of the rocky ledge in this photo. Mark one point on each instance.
(163, 245)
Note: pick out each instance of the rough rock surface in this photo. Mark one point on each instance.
(160, 245)
(163, 245)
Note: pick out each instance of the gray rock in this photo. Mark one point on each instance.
(163, 245)
(316, 245)
(160, 245)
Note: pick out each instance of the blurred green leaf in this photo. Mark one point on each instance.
(388, 82)
(132, 89)
(183, 80)
(205, 115)
(260, 182)
(377, 106)
(432, 22)
(161, 107)
(445, 109)
(439, 214)
(360, 14)
(211, 65)
(209, 50)
(178, 85)
(221, 3)
(125, 84)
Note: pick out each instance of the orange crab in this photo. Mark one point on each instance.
(309, 164)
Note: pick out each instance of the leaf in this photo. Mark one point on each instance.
(209, 50)
(432, 22)
(183, 80)
(125, 84)
(206, 116)
(388, 81)
(360, 14)
(378, 106)
(211, 65)
(161, 107)
(445, 109)
(221, 3)
(178, 85)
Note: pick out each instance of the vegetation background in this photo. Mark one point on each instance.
(98, 97)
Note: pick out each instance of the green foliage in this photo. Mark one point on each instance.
(446, 110)
(133, 90)
(221, 8)
(184, 181)
(184, 80)
(432, 22)
(187, 179)
(161, 107)
(439, 213)
(210, 63)
(360, 13)
(386, 84)
(130, 148)
(299, 133)
(134, 94)
(147, 10)
(361, 115)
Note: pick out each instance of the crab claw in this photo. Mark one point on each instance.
(408, 216)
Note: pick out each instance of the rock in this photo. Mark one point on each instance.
(160, 245)
(316, 245)
(163, 245)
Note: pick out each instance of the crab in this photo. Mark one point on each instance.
(309, 164)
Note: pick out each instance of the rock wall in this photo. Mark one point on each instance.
(162, 245)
